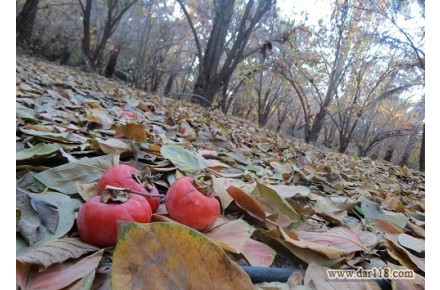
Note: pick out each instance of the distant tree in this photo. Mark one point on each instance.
(25, 21)
(225, 43)
(93, 50)
(422, 152)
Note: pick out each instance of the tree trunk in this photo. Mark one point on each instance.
(389, 154)
(212, 76)
(422, 153)
(343, 144)
(25, 22)
(409, 146)
(207, 83)
(111, 65)
(169, 85)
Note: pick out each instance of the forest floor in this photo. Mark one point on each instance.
(285, 204)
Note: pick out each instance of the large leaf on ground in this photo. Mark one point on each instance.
(165, 255)
(56, 251)
(64, 178)
(185, 160)
(232, 236)
(56, 276)
(276, 200)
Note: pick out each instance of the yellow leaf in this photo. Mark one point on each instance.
(132, 131)
(167, 255)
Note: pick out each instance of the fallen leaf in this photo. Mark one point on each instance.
(402, 255)
(87, 191)
(86, 170)
(257, 253)
(132, 131)
(330, 211)
(219, 186)
(287, 191)
(56, 251)
(327, 251)
(231, 236)
(56, 276)
(274, 198)
(247, 202)
(411, 243)
(176, 256)
(31, 225)
(338, 237)
(113, 146)
(185, 160)
(383, 226)
(37, 151)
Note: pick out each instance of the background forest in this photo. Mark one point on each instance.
(343, 74)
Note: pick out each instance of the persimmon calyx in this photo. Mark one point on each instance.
(203, 184)
(144, 179)
(113, 194)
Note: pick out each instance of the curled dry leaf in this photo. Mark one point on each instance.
(247, 202)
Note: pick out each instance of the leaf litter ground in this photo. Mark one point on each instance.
(284, 203)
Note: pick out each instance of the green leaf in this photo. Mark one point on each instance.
(372, 210)
(38, 151)
(184, 159)
(45, 216)
(64, 178)
(279, 202)
(62, 137)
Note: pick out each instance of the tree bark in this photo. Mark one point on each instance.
(422, 153)
(212, 76)
(409, 146)
(169, 85)
(25, 22)
(111, 65)
(389, 154)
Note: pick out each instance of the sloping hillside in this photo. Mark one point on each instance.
(284, 203)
